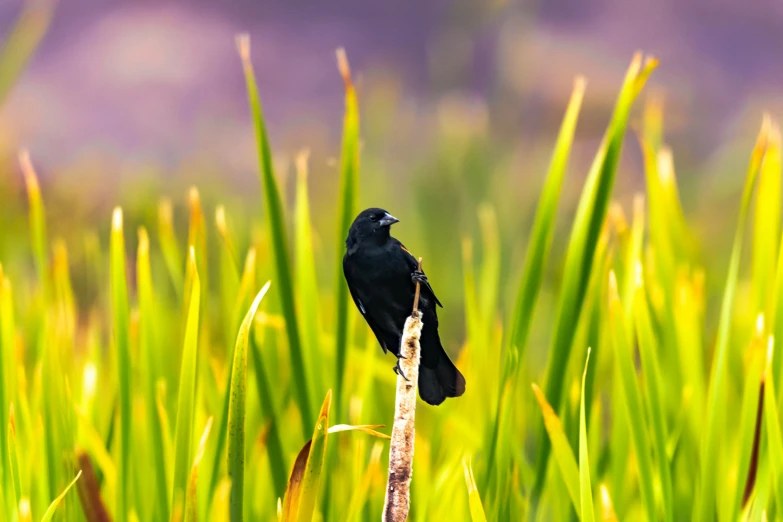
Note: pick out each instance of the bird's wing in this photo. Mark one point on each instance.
(414, 265)
(367, 317)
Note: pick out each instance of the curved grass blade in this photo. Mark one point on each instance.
(564, 456)
(275, 218)
(302, 491)
(242, 303)
(186, 401)
(542, 233)
(590, 215)
(53, 506)
(537, 255)
(474, 499)
(585, 490)
(349, 189)
(236, 412)
(705, 507)
(119, 291)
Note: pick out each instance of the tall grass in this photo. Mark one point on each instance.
(177, 395)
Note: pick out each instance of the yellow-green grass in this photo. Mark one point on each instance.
(178, 395)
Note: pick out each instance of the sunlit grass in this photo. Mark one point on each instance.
(180, 394)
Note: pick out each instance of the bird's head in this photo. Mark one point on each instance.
(372, 224)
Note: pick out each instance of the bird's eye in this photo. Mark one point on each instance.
(373, 218)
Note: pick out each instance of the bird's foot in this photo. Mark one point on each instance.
(418, 277)
(398, 371)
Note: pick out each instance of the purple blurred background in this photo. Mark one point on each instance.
(129, 86)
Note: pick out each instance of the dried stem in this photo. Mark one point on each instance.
(397, 502)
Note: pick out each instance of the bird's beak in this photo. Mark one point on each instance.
(388, 220)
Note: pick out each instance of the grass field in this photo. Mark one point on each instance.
(191, 355)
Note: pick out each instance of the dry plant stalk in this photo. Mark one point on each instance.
(397, 502)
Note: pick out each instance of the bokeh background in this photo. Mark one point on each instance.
(127, 102)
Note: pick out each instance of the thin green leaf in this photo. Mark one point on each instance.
(236, 412)
(584, 237)
(564, 456)
(246, 287)
(585, 490)
(276, 224)
(305, 274)
(715, 426)
(474, 499)
(150, 362)
(349, 189)
(56, 502)
(186, 402)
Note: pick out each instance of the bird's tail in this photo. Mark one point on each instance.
(444, 380)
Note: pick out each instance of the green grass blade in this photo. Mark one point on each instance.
(564, 456)
(537, 254)
(246, 286)
(652, 390)
(715, 426)
(590, 215)
(273, 205)
(268, 396)
(305, 275)
(150, 361)
(585, 489)
(236, 412)
(119, 292)
(21, 42)
(474, 499)
(53, 506)
(634, 412)
(349, 191)
(186, 402)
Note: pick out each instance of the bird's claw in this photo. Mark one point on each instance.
(418, 277)
(399, 372)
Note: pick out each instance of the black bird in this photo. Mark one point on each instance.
(381, 275)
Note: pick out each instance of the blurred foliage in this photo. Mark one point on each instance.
(141, 380)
